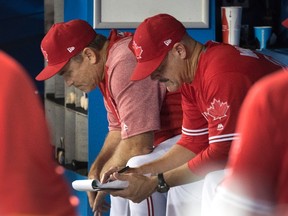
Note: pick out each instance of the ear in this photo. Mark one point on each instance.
(90, 54)
(180, 50)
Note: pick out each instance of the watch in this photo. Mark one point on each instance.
(162, 186)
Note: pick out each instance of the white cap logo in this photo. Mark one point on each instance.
(70, 49)
(167, 42)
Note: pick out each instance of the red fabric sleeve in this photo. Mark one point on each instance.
(213, 156)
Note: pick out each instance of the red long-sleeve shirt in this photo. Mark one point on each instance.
(212, 101)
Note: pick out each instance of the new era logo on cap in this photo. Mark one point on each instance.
(167, 42)
(70, 49)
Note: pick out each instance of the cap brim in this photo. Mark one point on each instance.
(145, 69)
(49, 71)
(285, 23)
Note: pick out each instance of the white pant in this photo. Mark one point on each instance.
(185, 200)
(155, 205)
(194, 199)
(211, 182)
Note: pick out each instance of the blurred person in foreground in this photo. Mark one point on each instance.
(214, 79)
(144, 119)
(256, 183)
(31, 181)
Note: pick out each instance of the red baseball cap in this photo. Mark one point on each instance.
(63, 41)
(152, 40)
(285, 23)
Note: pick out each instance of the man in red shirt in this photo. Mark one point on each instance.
(144, 119)
(31, 182)
(214, 79)
(256, 182)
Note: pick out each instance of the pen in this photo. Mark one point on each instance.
(124, 169)
(120, 171)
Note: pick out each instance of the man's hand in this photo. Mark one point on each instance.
(108, 175)
(99, 205)
(92, 195)
(91, 198)
(140, 186)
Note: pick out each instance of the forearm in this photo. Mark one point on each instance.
(174, 158)
(181, 175)
(137, 145)
(213, 158)
(111, 142)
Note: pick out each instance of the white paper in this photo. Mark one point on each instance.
(95, 185)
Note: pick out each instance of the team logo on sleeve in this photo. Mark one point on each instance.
(217, 110)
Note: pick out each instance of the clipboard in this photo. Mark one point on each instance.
(95, 185)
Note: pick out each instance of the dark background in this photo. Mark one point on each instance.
(21, 32)
(258, 13)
